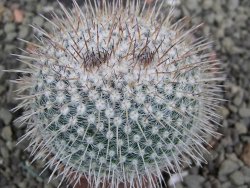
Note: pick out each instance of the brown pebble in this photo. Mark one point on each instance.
(245, 156)
(18, 15)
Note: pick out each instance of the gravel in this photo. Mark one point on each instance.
(233, 4)
(246, 173)
(6, 133)
(238, 98)
(237, 178)
(207, 4)
(16, 170)
(241, 127)
(227, 167)
(226, 22)
(5, 115)
(38, 21)
(10, 36)
(9, 27)
(23, 32)
(244, 112)
(194, 181)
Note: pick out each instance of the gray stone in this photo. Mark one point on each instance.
(207, 4)
(237, 178)
(4, 152)
(220, 33)
(9, 48)
(246, 172)
(5, 115)
(207, 184)
(224, 112)
(227, 167)
(10, 36)
(228, 44)
(178, 185)
(243, 186)
(244, 112)
(9, 27)
(219, 18)
(227, 184)
(38, 21)
(234, 157)
(23, 32)
(10, 145)
(192, 4)
(241, 128)
(233, 108)
(217, 6)
(22, 184)
(238, 98)
(233, 4)
(6, 133)
(194, 181)
(7, 15)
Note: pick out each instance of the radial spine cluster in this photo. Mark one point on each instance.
(118, 93)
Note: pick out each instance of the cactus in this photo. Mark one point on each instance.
(118, 93)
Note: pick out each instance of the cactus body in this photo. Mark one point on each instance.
(116, 93)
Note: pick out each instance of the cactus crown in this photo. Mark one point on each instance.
(117, 93)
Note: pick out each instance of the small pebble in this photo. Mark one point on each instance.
(9, 27)
(224, 112)
(226, 185)
(228, 44)
(227, 167)
(241, 128)
(23, 32)
(38, 21)
(243, 186)
(238, 99)
(237, 178)
(10, 36)
(5, 153)
(246, 172)
(244, 112)
(7, 133)
(9, 48)
(207, 4)
(192, 4)
(6, 116)
(194, 181)
(233, 4)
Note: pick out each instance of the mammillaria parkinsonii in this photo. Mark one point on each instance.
(119, 93)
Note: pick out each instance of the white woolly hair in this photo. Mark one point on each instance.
(117, 93)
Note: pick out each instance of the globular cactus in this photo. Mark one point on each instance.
(117, 93)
